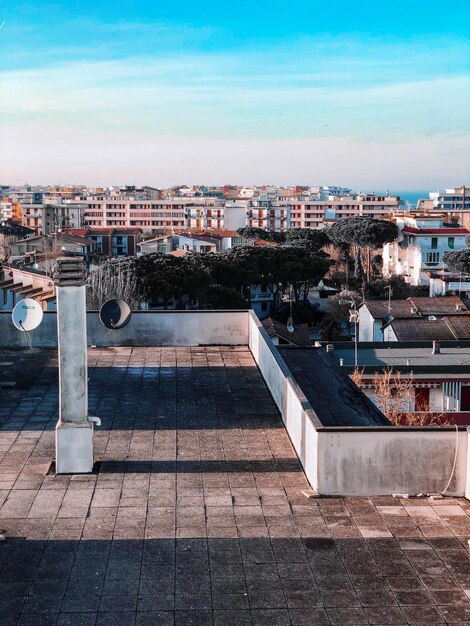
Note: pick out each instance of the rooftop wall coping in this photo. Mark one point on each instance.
(306, 406)
(367, 345)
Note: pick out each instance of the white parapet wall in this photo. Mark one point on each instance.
(146, 328)
(297, 414)
(361, 462)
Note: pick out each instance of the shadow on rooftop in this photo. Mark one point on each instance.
(233, 581)
(134, 395)
(203, 466)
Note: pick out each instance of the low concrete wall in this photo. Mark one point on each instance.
(360, 462)
(297, 414)
(146, 328)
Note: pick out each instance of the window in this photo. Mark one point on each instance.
(432, 257)
(434, 242)
(451, 242)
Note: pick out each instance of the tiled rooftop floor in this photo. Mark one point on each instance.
(196, 514)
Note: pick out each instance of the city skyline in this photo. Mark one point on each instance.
(374, 97)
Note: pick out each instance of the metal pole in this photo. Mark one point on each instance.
(355, 335)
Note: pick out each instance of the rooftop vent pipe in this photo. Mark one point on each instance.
(436, 347)
(330, 347)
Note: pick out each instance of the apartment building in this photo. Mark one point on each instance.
(455, 203)
(271, 215)
(124, 212)
(317, 213)
(10, 210)
(452, 200)
(422, 242)
(201, 213)
(116, 242)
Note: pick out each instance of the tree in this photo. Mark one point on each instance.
(458, 261)
(300, 268)
(163, 276)
(254, 234)
(115, 278)
(314, 239)
(362, 232)
(338, 306)
(330, 329)
(378, 289)
(219, 297)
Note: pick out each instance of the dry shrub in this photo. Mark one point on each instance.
(394, 395)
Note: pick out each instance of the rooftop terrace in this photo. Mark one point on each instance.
(195, 513)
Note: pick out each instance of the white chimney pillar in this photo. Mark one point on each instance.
(74, 432)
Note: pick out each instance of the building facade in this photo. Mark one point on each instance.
(422, 242)
(318, 213)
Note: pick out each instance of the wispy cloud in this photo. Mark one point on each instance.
(306, 91)
(299, 105)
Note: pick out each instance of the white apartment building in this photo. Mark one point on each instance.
(6, 209)
(452, 200)
(419, 250)
(318, 213)
(56, 217)
(124, 212)
(201, 213)
(271, 215)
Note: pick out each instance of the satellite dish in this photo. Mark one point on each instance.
(27, 315)
(290, 325)
(115, 314)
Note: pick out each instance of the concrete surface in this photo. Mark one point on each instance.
(195, 513)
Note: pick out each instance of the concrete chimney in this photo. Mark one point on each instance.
(74, 432)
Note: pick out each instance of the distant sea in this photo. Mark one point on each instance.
(410, 196)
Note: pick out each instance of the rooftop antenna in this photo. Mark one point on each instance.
(390, 291)
(290, 321)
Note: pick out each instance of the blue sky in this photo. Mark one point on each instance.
(359, 93)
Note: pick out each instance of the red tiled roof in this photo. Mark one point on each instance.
(416, 307)
(219, 232)
(299, 337)
(436, 231)
(421, 329)
(262, 242)
(448, 305)
(80, 232)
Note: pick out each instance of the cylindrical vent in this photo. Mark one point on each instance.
(436, 347)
